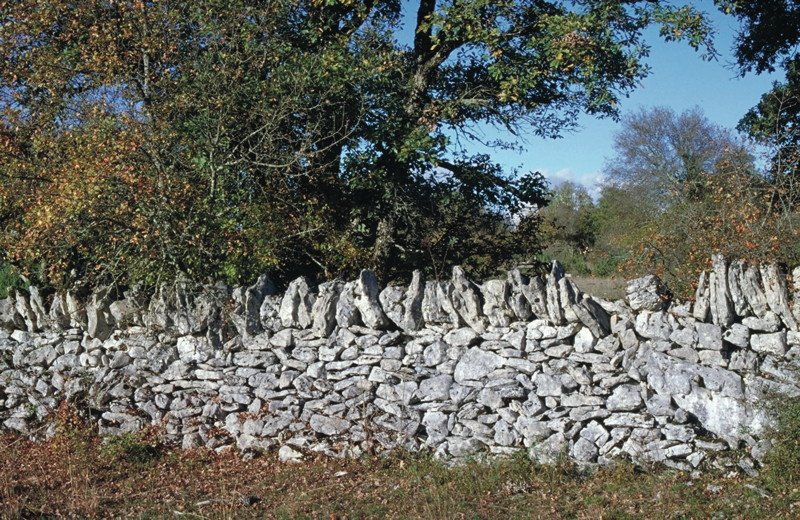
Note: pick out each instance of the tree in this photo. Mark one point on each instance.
(661, 156)
(768, 40)
(144, 139)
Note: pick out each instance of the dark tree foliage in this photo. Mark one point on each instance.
(141, 139)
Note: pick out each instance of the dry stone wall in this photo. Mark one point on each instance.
(452, 367)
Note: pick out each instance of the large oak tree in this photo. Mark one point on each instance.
(142, 139)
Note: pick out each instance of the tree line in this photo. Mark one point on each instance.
(145, 140)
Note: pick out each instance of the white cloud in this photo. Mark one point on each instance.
(591, 181)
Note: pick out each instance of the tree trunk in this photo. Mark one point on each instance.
(382, 252)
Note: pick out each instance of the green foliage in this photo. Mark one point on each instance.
(136, 448)
(10, 279)
(142, 140)
(783, 460)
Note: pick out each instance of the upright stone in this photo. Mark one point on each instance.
(568, 294)
(23, 307)
(753, 292)
(517, 300)
(437, 307)
(247, 315)
(323, 313)
(9, 317)
(647, 293)
(536, 294)
(721, 305)
(796, 293)
(75, 309)
(347, 314)
(701, 299)
(366, 293)
(467, 300)
(59, 316)
(412, 313)
(777, 294)
(37, 306)
(735, 275)
(297, 303)
(391, 298)
(554, 309)
(593, 316)
(496, 294)
(99, 322)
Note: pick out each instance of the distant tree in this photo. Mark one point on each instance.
(661, 157)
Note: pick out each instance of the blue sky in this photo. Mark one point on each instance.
(680, 79)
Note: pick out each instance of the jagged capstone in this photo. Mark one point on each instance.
(346, 368)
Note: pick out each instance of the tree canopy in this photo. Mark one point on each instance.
(143, 139)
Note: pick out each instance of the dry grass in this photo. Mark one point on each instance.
(75, 476)
(609, 288)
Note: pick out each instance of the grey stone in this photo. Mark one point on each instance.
(297, 304)
(721, 304)
(467, 300)
(536, 294)
(463, 337)
(555, 310)
(366, 300)
(517, 300)
(496, 294)
(626, 398)
(777, 294)
(548, 385)
(769, 322)
(709, 336)
(463, 447)
(774, 343)
(724, 416)
(476, 364)
(436, 388)
(436, 427)
(329, 425)
(685, 337)
(737, 334)
(653, 325)
(193, 349)
(437, 307)
(287, 454)
(568, 295)
(647, 293)
(702, 295)
(584, 450)
(323, 312)
(347, 314)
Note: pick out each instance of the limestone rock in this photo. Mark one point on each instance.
(647, 293)
(736, 273)
(517, 300)
(437, 307)
(720, 297)
(476, 364)
(753, 292)
(323, 313)
(496, 294)
(10, 318)
(701, 299)
(297, 304)
(777, 294)
(347, 314)
(555, 311)
(366, 300)
(467, 300)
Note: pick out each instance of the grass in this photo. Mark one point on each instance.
(75, 475)
(612, 288)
